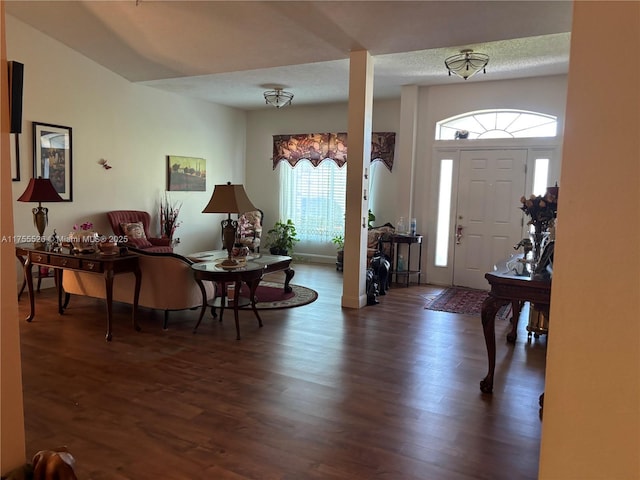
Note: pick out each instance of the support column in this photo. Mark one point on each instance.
(405, 165)
(359, 157)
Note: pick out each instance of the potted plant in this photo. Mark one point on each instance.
(339, 241)
(282, 237)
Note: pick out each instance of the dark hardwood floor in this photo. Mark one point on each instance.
(385, 392)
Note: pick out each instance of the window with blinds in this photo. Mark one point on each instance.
(314, 198)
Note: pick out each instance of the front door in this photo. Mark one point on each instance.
(488, 220)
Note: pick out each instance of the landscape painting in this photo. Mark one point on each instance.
(186, 174)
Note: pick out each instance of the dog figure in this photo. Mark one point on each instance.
(372, 287)
(55, 464)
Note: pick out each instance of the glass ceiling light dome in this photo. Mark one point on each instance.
(278, 97)
(466, 63)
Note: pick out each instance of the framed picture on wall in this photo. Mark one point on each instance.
(52, 156)
(186, 174)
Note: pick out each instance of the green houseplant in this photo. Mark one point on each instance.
(282, 237)
(339, 242)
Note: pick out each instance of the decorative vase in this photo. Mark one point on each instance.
(239, 250)
(536, 239)
(108, 247)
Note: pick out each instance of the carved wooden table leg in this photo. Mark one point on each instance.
(236, 307)
(516, 308)
(29, 279)
(289, 273)
(204, 303)
(490, 308)
(136, 297)
(253, 286)
(108, 278)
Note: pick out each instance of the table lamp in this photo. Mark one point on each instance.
(229, 199)
(40, 190)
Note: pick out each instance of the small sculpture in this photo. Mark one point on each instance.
(55, 241)
(526, 244)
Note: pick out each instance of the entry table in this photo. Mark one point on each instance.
(398, 239)
(65, 259)
(505, 288)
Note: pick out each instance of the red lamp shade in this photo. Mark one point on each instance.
(40, 190)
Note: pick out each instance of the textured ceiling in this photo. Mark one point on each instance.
(229, 52)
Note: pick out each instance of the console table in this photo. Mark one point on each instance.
(398, 239)
(507, 287)
(65, 259)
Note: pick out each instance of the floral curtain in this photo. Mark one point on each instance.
(316, 147)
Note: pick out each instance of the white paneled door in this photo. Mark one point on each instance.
(488, 220)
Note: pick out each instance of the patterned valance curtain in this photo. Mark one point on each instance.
(316, 147)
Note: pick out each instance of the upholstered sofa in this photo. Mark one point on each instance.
(134, 226)
(167, 284)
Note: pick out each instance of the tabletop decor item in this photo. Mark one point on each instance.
(83, 238)
(542, 210)
(40, 190)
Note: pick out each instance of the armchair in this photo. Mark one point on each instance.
(250, 229)
(134, 224)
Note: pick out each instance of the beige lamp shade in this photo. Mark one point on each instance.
(229, 199)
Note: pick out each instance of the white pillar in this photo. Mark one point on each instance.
(359, 157)
(404, 165)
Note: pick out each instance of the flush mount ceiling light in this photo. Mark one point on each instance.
(466, 63)
(278, 97)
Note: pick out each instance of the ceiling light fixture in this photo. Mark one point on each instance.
(466, 63)
(278, 97)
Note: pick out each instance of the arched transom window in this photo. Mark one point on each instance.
(502, 123)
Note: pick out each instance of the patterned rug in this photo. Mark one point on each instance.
(464, 301)
(271, 296)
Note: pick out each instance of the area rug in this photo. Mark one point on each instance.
(464, 301)
(271, 296)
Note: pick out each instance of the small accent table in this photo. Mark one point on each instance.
(65, 259)
(398, 239)
(271, 263)
(250, 273)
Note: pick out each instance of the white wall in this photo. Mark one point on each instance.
(133, 127)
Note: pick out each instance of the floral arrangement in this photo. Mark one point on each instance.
(169, 217)
(542, 210)
(83, 226)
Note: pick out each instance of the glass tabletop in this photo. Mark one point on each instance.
(217, 266)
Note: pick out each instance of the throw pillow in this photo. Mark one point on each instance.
(135, 234)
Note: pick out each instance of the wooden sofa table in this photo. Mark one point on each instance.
(65, 259)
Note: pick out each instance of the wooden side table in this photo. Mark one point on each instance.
(398, 239)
